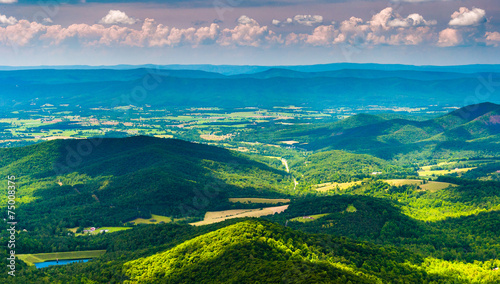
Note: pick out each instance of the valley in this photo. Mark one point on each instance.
(268, 190)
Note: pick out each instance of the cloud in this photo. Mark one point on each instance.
(21, 33)
(385, 28)
(411, 20)
(493, 38)
(449, 37)
(245, 20)
(117, 17)
(306, 20)
(7, 21)
(466, 17)
(8, 1)
(248, 32)
(322, 35)
(387, 18)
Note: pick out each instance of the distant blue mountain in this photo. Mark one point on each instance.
(250, 69)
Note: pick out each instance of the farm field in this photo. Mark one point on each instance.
(219, 216)
(259, 200)
(155, 219)
(332, 185)
(400, 182)
(430, 185)
(428, 173)
(30, 259)
(433, 186)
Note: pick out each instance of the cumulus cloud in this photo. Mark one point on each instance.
(411, 20)
(117, 17)
(387, 18)
(466, 17)
(322, 35)
(449, 37)
(4, 20)
(21, 33)
(248, 32)
(385, 28)
(306, 20)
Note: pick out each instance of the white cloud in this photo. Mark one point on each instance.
(411, 20)
(245, 20)
(7, 21)
(466, 17)
(117, 17)
(449, 37)
(387, 18)
(8, 1)
(47, 20)
(308, 20)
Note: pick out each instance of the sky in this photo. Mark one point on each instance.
(249, 32)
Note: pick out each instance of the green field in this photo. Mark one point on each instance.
(155, 219)
(305, 219)
(436, 185)
(428, 173)
(333, 185)
(31, 259)
(400, 182)
(430, 185)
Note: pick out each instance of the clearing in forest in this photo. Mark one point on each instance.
(219, 216)
(333, 185)
(30, 259)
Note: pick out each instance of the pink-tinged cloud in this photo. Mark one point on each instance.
(493, 38)
(384, 28)
(466, 17)
(449, 37)
(21, 33)
(248, 32)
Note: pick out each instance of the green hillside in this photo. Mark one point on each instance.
(382, 221)
(106, 182)
(468, 132)
(339, 166)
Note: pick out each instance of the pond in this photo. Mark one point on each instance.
(60, 262)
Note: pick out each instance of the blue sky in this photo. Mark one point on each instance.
(253, 32)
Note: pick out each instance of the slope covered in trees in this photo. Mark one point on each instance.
(254, 251)
(104, 182)
(468, 132)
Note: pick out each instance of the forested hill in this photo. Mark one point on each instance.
(472, 128)
(110, 181)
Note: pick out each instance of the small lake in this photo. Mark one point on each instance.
(60, 262)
